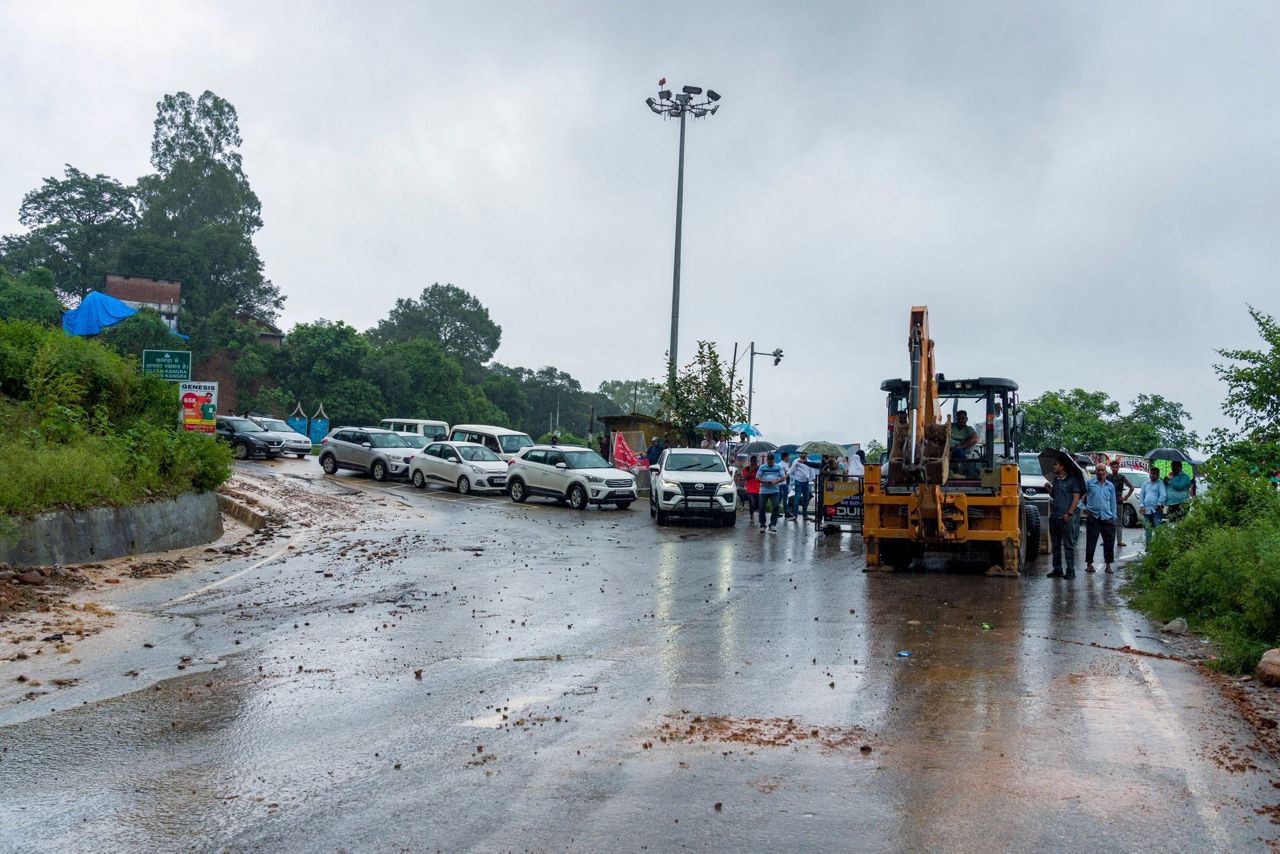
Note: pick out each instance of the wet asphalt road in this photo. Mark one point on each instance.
(475, 674)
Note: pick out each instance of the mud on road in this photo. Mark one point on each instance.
(386, 668)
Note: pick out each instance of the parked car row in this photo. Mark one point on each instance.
(478, 458)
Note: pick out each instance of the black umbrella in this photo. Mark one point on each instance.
(1049, 456)
(1170, 454)
(757, 448)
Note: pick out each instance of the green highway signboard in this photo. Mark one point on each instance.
(167, 364)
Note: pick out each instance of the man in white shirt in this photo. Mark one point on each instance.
(802, 476)
(784, 487)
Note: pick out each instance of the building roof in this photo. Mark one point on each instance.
(142, 289)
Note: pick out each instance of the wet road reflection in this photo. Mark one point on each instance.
(498, 676)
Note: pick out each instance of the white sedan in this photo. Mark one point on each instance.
(465, 466)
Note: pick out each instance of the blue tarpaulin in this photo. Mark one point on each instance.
(95, 312)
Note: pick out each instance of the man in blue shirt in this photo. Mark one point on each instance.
(769, 477)
(1100, 495)
(1152, 498)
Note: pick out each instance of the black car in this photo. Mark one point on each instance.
(247, 439)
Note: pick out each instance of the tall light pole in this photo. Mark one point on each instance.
(680, 107)
(751, 374)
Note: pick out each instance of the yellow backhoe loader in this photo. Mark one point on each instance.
(949, 485)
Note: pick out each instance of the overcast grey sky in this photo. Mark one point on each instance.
(1083, 194)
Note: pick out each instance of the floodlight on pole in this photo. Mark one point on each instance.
(680, 107)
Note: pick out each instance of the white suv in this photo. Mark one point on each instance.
(692, 482)
(569, 473)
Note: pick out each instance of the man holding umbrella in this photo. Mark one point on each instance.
(1065, 491)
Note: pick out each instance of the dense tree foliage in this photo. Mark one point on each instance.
(75, 223)
(29, 296)
(448, 315)
(1080, 420)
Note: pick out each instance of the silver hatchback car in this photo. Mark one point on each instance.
(381, 454)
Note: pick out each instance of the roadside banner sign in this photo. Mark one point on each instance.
(167, 364)
(841, 501)
(199, 405)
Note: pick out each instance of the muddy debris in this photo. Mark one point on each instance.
(758, 732)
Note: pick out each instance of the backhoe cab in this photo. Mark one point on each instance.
(951, 483)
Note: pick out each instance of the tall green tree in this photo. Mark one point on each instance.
(1252, 377)
(199, 213)
(324, 363)
(448, 315)
(76, 223)
(702, 392)
(142, 331)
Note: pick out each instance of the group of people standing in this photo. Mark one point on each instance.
(778, 486)
(1098, 501)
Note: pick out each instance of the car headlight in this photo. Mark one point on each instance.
(593, 479)
(477, 469)
(726, 487)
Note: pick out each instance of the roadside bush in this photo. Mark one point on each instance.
(81, 426)
(1219, 567)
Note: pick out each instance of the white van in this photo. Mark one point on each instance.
(434, 431)
(503, 442)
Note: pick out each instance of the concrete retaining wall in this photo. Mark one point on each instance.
(84, 536)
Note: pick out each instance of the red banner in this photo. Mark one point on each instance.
(623, 458)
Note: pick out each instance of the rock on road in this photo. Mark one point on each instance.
(394, 669)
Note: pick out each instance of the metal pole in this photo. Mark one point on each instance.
(751, 381)
(675, 276)
(732, 367)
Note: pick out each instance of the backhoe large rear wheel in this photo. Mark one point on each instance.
(1031, 542)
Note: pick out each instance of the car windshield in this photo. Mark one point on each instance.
(277, 425)
(695, 462)
(1029, 465)
(415, 441)
(476, 454)
(387, 440)
(1137, 478)
(585, 460)
(513, 443)
(244, 425)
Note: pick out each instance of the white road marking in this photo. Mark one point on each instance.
(1178, 738)
(221, 581)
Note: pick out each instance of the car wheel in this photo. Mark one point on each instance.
(379, 471)
(329, 463)
(653, 511)
(728, 520)
(661, 517)
(464, 486)
(1130, 516)
(516, 491)
(577, 497)
(418, 480)
(623, 505)
(240, 451)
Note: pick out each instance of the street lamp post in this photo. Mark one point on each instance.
(680, 106)
(776, 353)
